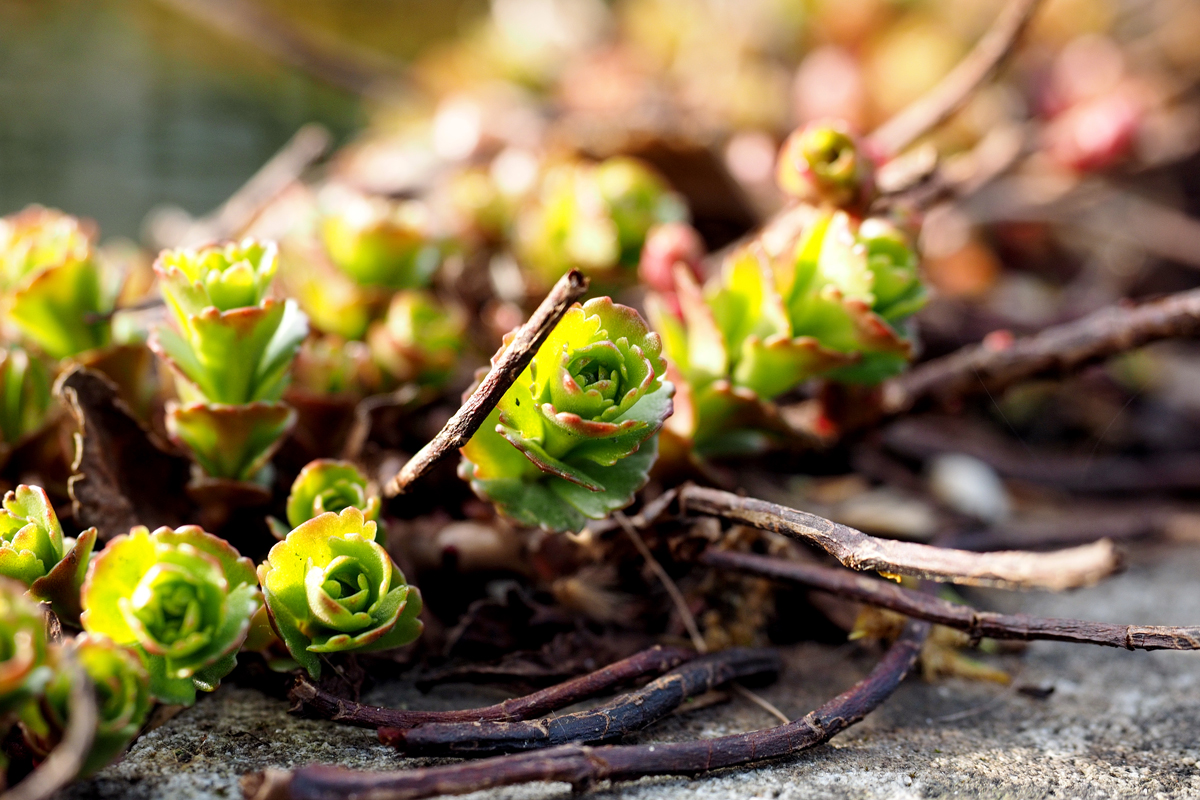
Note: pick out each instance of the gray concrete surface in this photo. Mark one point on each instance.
(1118, 724)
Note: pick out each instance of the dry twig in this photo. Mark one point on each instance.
(978, 624)
(583, 766)
(654, 660)
(1059, 348)
(1061, 569)
(677, 598)
(955, 89)
(459, 429)
(624, 714)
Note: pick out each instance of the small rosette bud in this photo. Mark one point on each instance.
(823, 163)
(420, 340)
(572, 439)
(593, 217)
(121, 684)
(34, 552)
(55, 292)
(327, 485)
(181, 598)
(330, 588)
(378, 242)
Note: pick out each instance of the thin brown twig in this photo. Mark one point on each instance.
(66, 759)
(622, 715)
(953, 91)
(1061, 569)
(1060, 348)
(584, 766)
(459, 429)
(677, 598)
(978, 624)
(654, 660)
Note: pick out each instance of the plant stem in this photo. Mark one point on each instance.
(656, 659)
(462, 426)
(1061, 569)
(583, 766)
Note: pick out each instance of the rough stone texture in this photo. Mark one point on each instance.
(1117, 723)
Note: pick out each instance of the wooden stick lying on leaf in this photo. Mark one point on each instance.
(979, 624)
(1060, 348)
(1057, 570)
(462, 426)
(654, 660)
(583, 766)
(622, 715)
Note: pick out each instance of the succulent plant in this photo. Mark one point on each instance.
(54, 289)
(123, 702)
(378, 242)
(824, 163)
(330, 588)
(23, 668)
(34, 552)
(327, 485)
(573, 438)
(420, 340)
(832, 306)
(181, 598)
(24, 395)
(230, 351)
(593, 217)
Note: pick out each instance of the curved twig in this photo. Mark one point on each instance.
(978, 624)
(956, 88)
(654, 660)
(1061, 569)
(582, 766)
(66, 759)
(1060, 348)
(624, 714)
(459, 429)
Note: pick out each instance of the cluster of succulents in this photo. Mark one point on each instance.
(229, 348)
(830, 304)
(574, 437)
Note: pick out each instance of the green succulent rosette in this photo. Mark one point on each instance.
(230, 349)
(34, 552)
(181, 598)
(824, 163)
(327, 485)
(573, 438)
(831, 305)
(23, 667)
(378, 242)
(594, 217)
(421, 339)
(331, 588)
(54, 287)
(123, 702)
(24, 395)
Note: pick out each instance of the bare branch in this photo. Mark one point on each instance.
(654, 660)
(583, 766)
(1061, 569)
(1060, 348)
(623, 715)
(459, 429)
(955, 89)
(979, 624)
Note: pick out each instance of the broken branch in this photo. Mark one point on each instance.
(1061, 569)
(978, 624)
(462, 426)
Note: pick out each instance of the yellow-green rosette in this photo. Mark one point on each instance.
(573, 438)
(181, 598)
(331, 588)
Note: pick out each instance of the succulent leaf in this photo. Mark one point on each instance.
(380, 243)
(328, 485)
(181, 598)
(23, 668)
(230, 441)
(420, 340)
(34, 552)
(572, 439)
(24, 394)
(330, 587)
